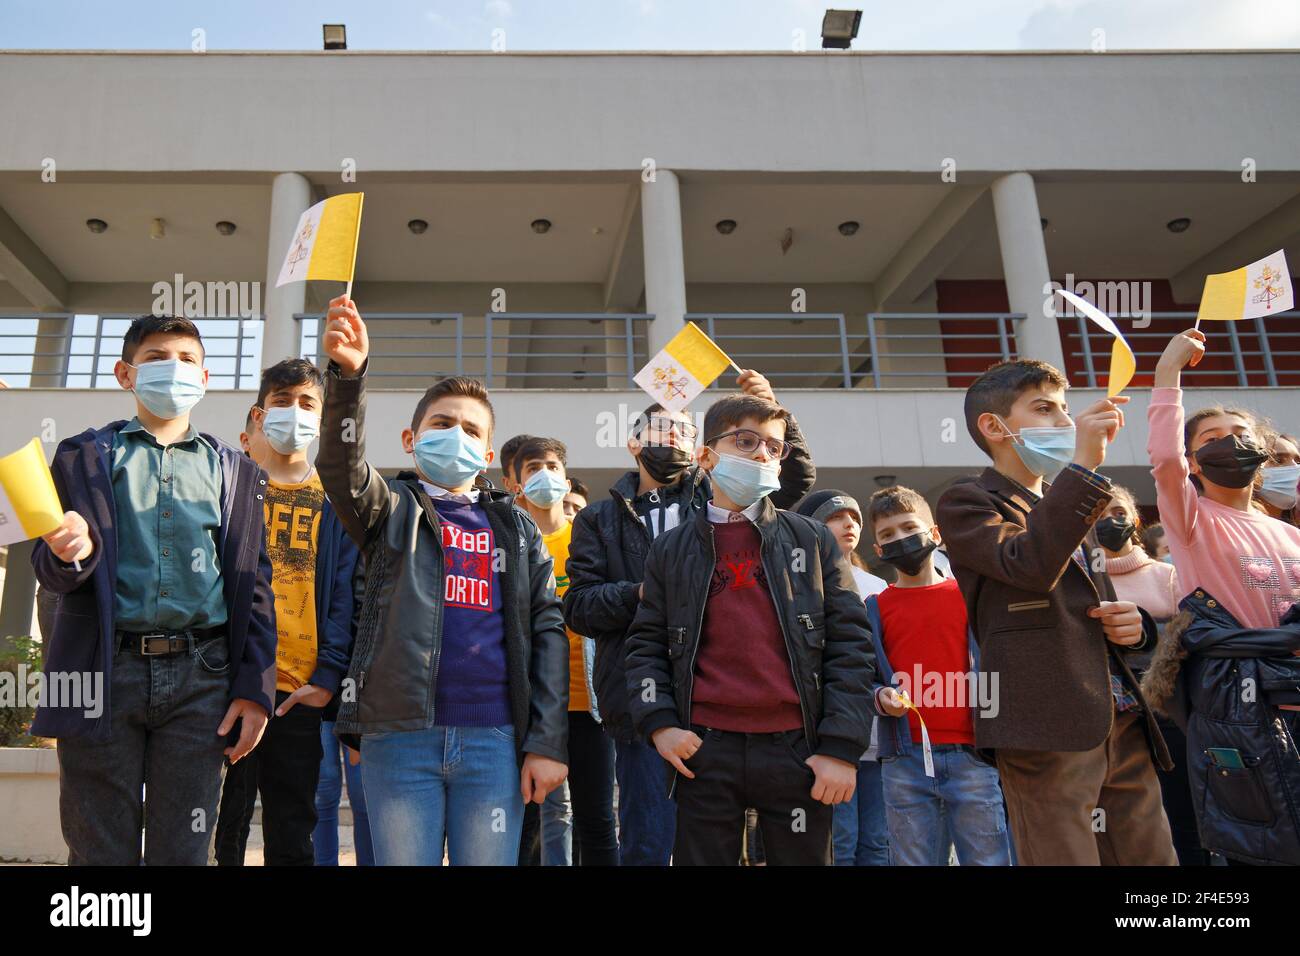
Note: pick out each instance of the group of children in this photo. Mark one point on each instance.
(707, 636)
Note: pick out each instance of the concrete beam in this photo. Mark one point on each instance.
(933, 247)
(1268, 234)
(29, 270)
(626, 280)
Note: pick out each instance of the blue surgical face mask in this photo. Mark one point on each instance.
(1168, 559)
(168, 388)
(1279, 485)
(290, 429)
(1044, 451)
(546, 488)
(744, 480)
(448, 457)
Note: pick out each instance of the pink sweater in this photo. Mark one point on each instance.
(1150, 584)
(1246, 559)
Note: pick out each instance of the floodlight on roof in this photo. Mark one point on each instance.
(840, 28)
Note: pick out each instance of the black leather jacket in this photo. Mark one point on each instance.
(823, 622)
(399, 636)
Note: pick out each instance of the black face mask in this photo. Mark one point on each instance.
(664, 463)
(1113, 532)
(1230, 461)
(909, 554)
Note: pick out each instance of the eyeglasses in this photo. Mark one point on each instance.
(663, 425)
(747, 442)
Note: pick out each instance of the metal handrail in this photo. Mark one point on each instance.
(1085, 331)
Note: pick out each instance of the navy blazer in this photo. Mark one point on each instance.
(81, 640)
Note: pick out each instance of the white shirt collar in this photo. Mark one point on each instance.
(722, 516)
(436, 491)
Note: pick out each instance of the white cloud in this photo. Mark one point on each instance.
(498, 9)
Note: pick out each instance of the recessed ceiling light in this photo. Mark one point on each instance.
(157, 229)
(96, 225)
(849, 228)
(1180, 224)
(225, 227)
(417, 226)
(541, 226)
(725, 226)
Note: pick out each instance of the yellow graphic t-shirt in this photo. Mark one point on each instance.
(292, 524)
(558, 545)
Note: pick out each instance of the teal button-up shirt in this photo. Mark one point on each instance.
(168, 505)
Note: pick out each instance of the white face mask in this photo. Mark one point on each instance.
(290, 429)
(1279, 485)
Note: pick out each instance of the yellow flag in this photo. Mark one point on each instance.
(686, 366)
(29, 505)
(1259, 289)
(1123, 364)
(324, 245)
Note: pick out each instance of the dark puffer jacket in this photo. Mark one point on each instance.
(1232, 679)
(823, 624)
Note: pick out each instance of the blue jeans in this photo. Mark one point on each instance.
(460, 784)
(962, 800)
(329, 791)
(647, 818)
(860, 835)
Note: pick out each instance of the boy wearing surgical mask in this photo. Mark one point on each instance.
(1072, 736)
(461, 665)
(166, 608)
(312, 562)
(539, 473)
(749, 664)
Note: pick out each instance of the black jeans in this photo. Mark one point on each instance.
(591, 790)
(285, 767)
(767, 772)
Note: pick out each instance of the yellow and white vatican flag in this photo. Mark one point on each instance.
(1259, 289)
(1123, 363)
(29, 505)
(686, 366)
(324, 245)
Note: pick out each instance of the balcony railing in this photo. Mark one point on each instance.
(1242, 354)
(879, 350)
(69, 350)
(884, 349)
(564, 349)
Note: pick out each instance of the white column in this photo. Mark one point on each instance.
(290, 195)
(665, 264)
(1024, 267)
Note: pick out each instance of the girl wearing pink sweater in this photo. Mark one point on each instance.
(1244, 558)
(1150, 584)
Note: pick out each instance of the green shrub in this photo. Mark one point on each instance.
(16, 721)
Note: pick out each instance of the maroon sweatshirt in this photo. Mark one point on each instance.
(743, 680)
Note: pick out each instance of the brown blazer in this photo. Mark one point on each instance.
(1027, 599)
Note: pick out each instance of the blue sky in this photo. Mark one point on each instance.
(647, 24)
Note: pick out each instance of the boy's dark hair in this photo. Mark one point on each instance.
(147, 325)
(896, 500)
(455, 385)
(538, 448)
(287, 373)
(640, 422)
(579, 487)
(506, 456)
(727, 413)
(997, 389)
